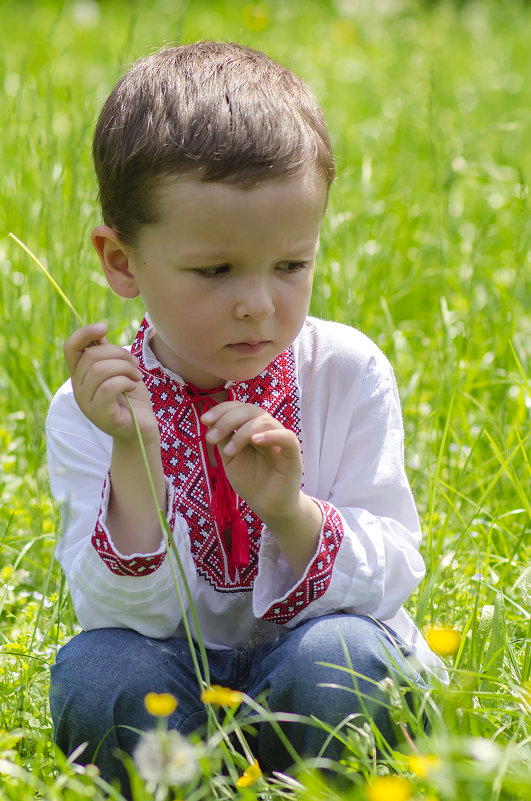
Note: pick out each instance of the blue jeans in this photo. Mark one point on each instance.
(101, 677)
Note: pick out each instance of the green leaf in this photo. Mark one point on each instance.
(494, 656)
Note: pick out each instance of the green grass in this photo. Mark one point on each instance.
(426, 248)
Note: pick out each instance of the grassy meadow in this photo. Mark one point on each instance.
(426, 248)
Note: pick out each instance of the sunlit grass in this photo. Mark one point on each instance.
(426, 248)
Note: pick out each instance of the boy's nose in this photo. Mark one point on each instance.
(255, 301)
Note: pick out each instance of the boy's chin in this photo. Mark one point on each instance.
(250, 371)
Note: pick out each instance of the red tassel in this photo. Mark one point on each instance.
(239, 542)
(224, 506)
(222, 500)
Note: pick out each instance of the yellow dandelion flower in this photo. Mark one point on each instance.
(389, 788)
(421, 765)
(160, 704)
(250, 775)
(443, 640)
(221, 696)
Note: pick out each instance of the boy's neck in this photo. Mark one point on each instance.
(217, 394)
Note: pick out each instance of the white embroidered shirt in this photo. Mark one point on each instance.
(336, 390)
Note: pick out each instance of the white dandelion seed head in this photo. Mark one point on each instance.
(166, 757)
(385, 684)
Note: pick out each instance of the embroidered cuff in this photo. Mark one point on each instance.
(135, 564)
(316, 578)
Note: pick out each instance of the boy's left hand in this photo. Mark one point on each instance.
(263, 463)
(262, 458)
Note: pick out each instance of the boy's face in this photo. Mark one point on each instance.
(226, 274)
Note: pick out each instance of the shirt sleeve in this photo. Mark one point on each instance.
(108, 589)
(367, 559)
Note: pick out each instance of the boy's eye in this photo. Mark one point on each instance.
(291, 266)
(213, 272)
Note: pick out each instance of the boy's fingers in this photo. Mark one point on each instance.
(281, 438)
(228, 416)
(112, 389)
(239, 424)
(94, 364)
(239, 438)
(84, 337)
(93, 377)
(94, 359)
(218, 411)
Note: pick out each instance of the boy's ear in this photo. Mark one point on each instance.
(114, 257)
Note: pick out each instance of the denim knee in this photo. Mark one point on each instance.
(97, 690)
(327, 667)
(341, 649)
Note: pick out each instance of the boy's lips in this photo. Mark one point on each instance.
(249, 348)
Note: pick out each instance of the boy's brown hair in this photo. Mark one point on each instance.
(222, 111)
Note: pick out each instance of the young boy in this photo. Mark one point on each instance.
(274, 440)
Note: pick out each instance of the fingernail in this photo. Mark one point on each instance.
(229, 448)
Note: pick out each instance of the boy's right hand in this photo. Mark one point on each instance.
(101, 373)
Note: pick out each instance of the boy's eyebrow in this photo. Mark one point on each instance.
(203, 255)
(217, 256)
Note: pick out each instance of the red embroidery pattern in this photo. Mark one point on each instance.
(139, 566)
(123, 566)
(184, 463)
(318, 577)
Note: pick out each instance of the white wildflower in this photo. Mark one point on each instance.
(166, 758)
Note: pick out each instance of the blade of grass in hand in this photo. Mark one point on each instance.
(49, 277)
